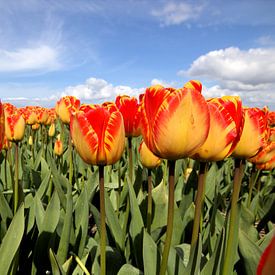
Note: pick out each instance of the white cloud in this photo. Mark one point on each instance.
(164, 83)
(99, 90)
(249, 74)
(177, 13)
(266, 40)
(39, 58)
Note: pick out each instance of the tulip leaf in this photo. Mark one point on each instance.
(113, 223)
(175, 262)
(66, 230)
(151, 257)
(11, 241)
(250, 252)
(5, 210)
(127, 269)
(56, 266)
(194, 262)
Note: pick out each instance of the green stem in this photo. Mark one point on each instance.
(233, 222)
(119, 186)
(252, 181)
(130, 152)
(149, 202)
(6, 183)
(170, 218)
(71, 161)
(33, 143)
(198, 204)
(102, 222)
(15, 189)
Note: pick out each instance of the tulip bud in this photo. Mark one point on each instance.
(147, 158)
(30, 141)
(66, 107)
(58, 147)
(36, 126)
(51, 130)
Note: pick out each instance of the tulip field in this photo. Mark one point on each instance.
(171, 183)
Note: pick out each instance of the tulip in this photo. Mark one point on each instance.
(29, 114)
(65, 107)
(98, 135)
(226, 123)
(129, 107)
(265, 155)
(147, 158)
(271, 119)
(266, 264)
(58, 147)
(255, 133)
(272, 134)
(14, 124)
(2, 124)
(174, 122)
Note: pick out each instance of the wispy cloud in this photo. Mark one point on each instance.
(173, 13)
(266, 40)
(39, 58)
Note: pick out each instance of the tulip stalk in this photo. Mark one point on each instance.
(229, 253)
(199, 203)
(16, 183)
(170, 217)
(130, 153)
(70, 160)
(149, 202)
(102, 222)
(252, 181)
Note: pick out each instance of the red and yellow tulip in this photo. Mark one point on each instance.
(266, 265)
(147, 158)
(2, 125)
(226, 123)
(129, 107)
(174, 122)
(255, 133)
(98, 135)
(66, 107)
(14, 123)
(29, 114)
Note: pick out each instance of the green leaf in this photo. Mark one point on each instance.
(151, 257)
(113, 223)
(11, 241)
(127, 269)
(66, 230)
(250, 252)
(194, 262)
(175, 262)
(56, 266)
(5, 211)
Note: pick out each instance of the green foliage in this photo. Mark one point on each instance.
(56, 228)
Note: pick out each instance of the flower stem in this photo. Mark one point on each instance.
(15, 188)
(149, 202)
(252, 181)
(229, 253)
(71, 161)
(102, 222)
(130, 152)
(199, 203)
(170, 218)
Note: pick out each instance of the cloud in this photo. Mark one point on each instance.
(164, 83)
(177, 13)
(99, 90)
(266, 40)
(42, 57)
(248, 73)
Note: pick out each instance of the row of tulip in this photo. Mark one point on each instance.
(174, 124)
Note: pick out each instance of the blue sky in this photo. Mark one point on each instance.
(96, 50)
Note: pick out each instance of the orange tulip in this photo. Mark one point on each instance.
(174, 122)
(266, 265)
(66, 107)
(14, 123)
(29, 114)
(58, 147)
(129, 108)
(272, 134)
(98, 135)
(271, 119)
(226, 122)
(2, 124)
(255, 133)
(266, 154)
(147, 158)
